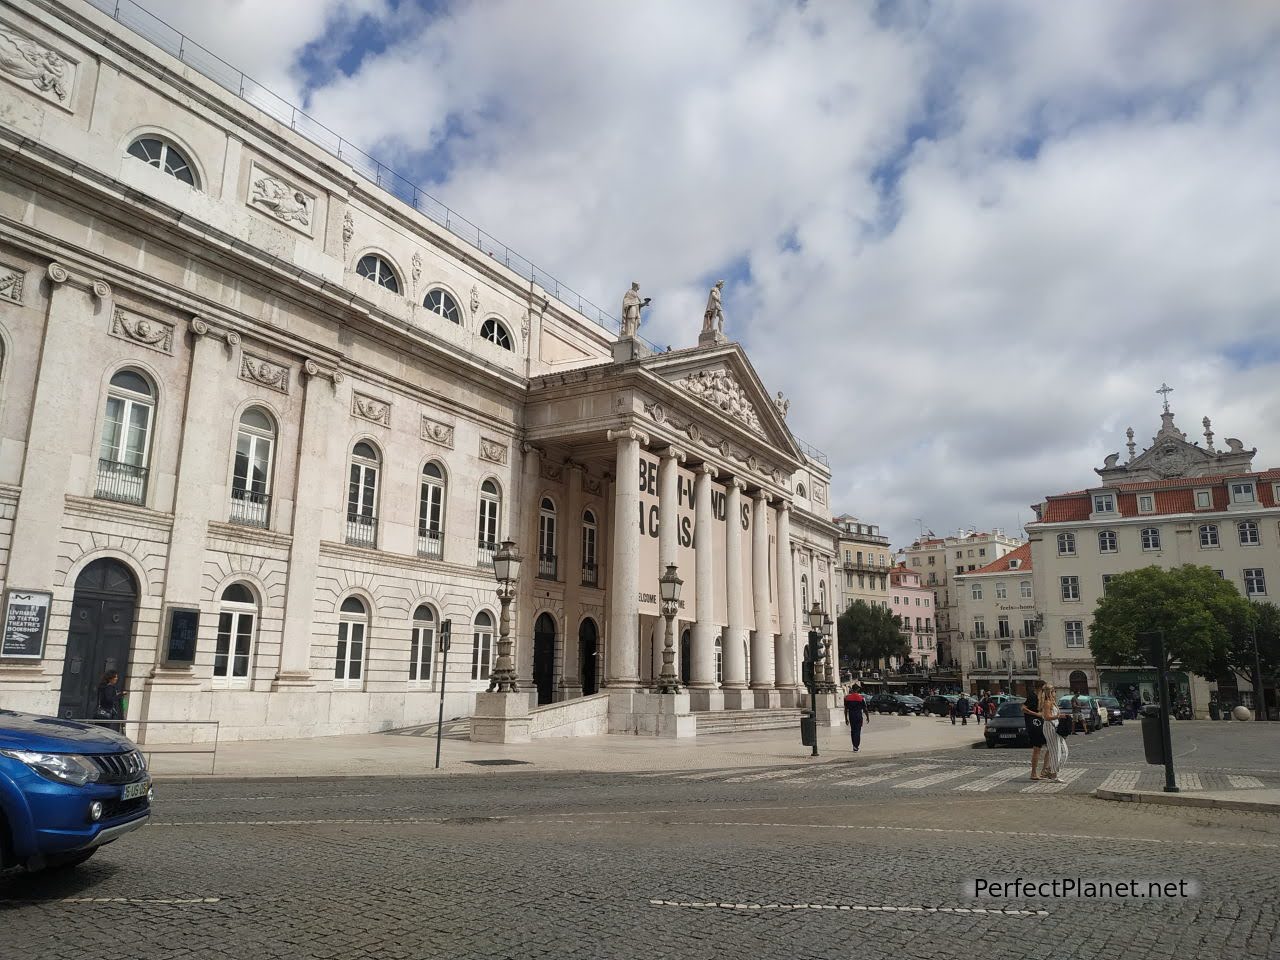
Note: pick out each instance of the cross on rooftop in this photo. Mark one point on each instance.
(1166, 390)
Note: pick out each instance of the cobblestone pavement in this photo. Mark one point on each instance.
(845, 857)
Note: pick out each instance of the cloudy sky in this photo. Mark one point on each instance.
(967, 239)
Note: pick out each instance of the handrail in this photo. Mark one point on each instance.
(150, 27)
(193, 748)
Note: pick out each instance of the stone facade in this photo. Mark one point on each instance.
(239, 380)
(865, 559)
(913, 602)
(998, 624)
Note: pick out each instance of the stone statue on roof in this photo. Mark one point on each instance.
(632, 304)
(713, 316)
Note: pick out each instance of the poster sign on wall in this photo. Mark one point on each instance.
(26, 624)
(184, 628)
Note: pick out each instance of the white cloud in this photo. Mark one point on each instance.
(1085, 205)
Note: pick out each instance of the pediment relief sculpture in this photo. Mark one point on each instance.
(29, 62)
(281, 200)
(155, 334)
(721, 445)
(721, 389)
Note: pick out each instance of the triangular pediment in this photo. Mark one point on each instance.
(1171, 455)
(721, 381)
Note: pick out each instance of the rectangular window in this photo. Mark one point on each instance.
(1249, 536)
(931, 559)
(1029, 627)
(421, 650)
(1104, 503)
(1151, 538)
(848, 580)
(1146, 503)
(1242, 493)
(1204, 500)
(1209, 535)
(1074, 630)
(980, 656)
(1255, 582)
(1024, 589)
(1001, 590)
(1070, 588)
(1032, 654)
(979, 627)
(975, 591)
(1106, 582)
(1002, 627)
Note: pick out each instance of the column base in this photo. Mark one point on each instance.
(663, 715)
(791, 697)
(739, 699)
(703, 699)
(292, 680)
(501, 718)
(768, 699)
(830, 713)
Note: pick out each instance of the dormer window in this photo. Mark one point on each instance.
(1104, 503)
(1013, 564)
(1243, 492)
(1146, 503)
(1204, 499)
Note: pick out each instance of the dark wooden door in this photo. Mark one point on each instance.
(588, 656)
(544, 657)
(99, 637)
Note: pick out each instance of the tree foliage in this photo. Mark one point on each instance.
(1238, 657)
(1200, 613)
(870, 634)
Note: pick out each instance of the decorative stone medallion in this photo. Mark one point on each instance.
(433, 431)
(264, 373)
(371, 409)
(151, 333)
(33, 66)
(493, 450)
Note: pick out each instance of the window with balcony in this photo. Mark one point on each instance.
(1209, 536)
(362, 496)
(1107, 541)
(1002, 627)
(431, 502)
(1029, 626)
(590, 533)
(979, 627)
(547, 539)
(422, 645)
(126, 438)
(1031, 652)
(980, 656)
(353, 624)
(1006, 655)
(1150, 538)
(1070, 588)
(1248, 533)
(490, 514)
(251, 473)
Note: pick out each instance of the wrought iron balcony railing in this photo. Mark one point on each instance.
(121, 482)
(249, 508)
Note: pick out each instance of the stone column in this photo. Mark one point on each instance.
(785, 648)
(624, 580)
(320, 410)
(736, 694)
(668, 546)
(571, 558)
(522, 527)
(702, 660)
(762, 639)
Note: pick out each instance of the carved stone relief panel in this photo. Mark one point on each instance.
(371, 409)
(11, 279)
(433, 431)
(721, 389)
(278, 198)
(592, 485)
(264, 373)
(493, 450)
(819, 493)
(36, 68)
(551, 471)
(154, 334)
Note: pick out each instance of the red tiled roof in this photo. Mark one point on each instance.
(1172, 496)
(1022, 555)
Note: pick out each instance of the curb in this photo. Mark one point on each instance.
(1186, 800)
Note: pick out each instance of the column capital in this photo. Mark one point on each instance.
(574, 465)
(57, 272)
(101, 289)
(627, 433)
(707, 469)
(674, 453)
(314, 370)
(759, 494)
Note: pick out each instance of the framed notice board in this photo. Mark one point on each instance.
(26, 624)
(182, 628)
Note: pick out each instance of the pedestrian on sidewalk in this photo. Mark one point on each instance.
(1055, 753)
(1035, 726)
(963, 709)
(855, 712)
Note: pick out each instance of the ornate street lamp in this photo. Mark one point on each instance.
(829, 683)
(669, 585)
(506, 568)
(813, 653)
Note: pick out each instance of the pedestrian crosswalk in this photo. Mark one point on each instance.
(973, 777)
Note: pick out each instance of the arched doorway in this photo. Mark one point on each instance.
(686, 656)
(544, 657)
(588, 656)
(1079, 682)
(100, 634)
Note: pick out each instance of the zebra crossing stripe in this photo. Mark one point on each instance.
(767, 775)
(1067, 777)
(889, 775)
(930, 780)
(994, 779)
(1189, 781)
(1120, 780)
(707, 774)
(1245, 783)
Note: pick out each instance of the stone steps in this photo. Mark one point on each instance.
(744, 721)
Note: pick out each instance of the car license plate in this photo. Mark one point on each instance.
(132, 791)
(1007, 736)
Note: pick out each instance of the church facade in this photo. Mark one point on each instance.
(263, 425)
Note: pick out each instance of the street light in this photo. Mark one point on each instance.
(669, 590)
(829, 683)
(813, 654)
(506, 568)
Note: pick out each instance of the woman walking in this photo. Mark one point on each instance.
(1055, 745)
(109, 695)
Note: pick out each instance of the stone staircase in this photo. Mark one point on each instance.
(745, 721)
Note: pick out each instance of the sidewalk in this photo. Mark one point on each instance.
(410, 755)
(1257, 801)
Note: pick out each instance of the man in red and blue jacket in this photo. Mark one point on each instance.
(855, 712)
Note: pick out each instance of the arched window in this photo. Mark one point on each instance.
(1107, 541)
(1248, 531)
(437, 301)
(422, 644)
(804, 597)
(1066, 544)
(126, 438)
(590, 536)
(237, 610)
(373, 267)
(1150, 538)
(490, 515)
(353, 623)
(431, 512)
(163, 155)
(822, 594)
(1209, 535)
(481, 646)
(362, 496)
(800, 490)
(547, 539)
(495, 332)
(251, 476)
(719, 655)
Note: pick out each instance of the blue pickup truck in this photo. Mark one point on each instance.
(66, 789)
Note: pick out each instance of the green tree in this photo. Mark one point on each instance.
(1199, 612)
(869, 635)
(1238, 657)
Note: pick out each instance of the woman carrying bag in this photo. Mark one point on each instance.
(109, 697)
(1056, 728)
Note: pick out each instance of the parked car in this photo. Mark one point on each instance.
(899, 703)
(1115, 712)
(939, 704)
(66, 790)
(1088, 705)
(1007, 727)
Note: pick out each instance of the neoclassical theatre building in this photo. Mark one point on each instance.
(263, 424)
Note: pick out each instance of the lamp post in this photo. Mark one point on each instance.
(813, 653)
(829, 683)
(669, 590)
(506, 568)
